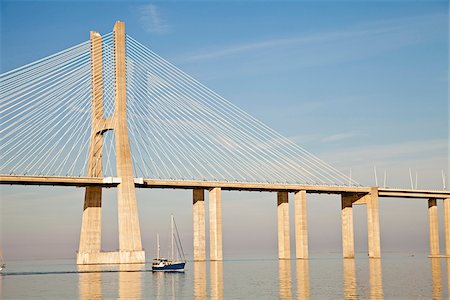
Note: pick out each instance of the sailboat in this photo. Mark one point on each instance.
(173, 264)
(2, 263)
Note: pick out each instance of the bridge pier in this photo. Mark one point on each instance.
(111, 257)
(198, 220)
(130, 245)
(129, 229)
(447, 226)
(91, 223)
(373, 223)
(433, 227)
(284, 247)
(301, 225)
(348, 248)
(215, 224)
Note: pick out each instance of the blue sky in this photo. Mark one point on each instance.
(357, 83)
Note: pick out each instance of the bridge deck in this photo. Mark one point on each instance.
(240, 186)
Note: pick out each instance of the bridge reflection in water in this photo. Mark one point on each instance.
(90, 283)
(376, 281)
(200, 285)
(130, 281)
(284, 274)
(205, 280)
(200, 280)
(436, 277)
(349, 279)
(302, 273)
(448, 275)
(96, 281)
(216, 274)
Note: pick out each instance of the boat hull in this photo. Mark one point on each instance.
(177, 267)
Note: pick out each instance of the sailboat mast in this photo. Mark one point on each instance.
(171, 223)
(158, 247)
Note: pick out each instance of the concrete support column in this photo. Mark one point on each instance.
(198, 220)
(284, 246)
(215, 224)
(433, 227)
(348, 248)
(129, 229)
(91, 223)
(301, 226)
(373, 224)
(447, 226)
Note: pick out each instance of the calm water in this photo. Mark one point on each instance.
(327, 277)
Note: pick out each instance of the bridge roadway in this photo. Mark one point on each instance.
(193, 184)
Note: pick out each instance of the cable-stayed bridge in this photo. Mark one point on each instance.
(110, 112)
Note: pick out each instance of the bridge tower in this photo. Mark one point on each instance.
(130, 246)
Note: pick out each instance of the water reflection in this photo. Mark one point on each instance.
(200, 280)
(284, 275)
(90, 283)
(436, 277)
(168, 285)
(158, 284)
(448, 275)
(349, 279)
(216, 271)
(376, 281)
(130, 281)
(330, 278)
(302, 268)
(90, 280)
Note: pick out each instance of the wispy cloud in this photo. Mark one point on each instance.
(373, 29)
(151, 19)
(248, 47)
(339, 136)
(314, 138)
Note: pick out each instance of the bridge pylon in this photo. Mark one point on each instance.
(130, 245)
